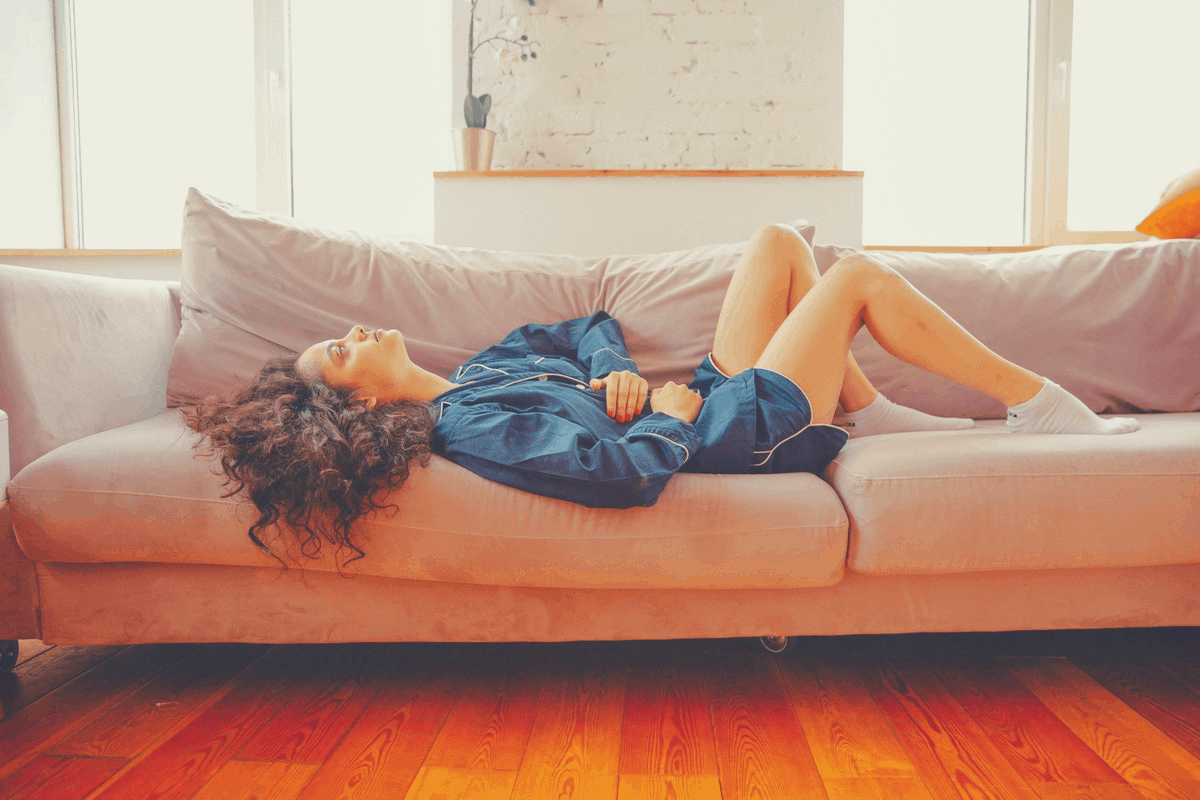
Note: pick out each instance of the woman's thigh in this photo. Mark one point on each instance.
(812, 344)
(777, 269)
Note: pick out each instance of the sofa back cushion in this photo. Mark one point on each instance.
(1116, 324)
(255, 286)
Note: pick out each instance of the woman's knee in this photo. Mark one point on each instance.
(781, 237)
(862, 274)
(788, 250)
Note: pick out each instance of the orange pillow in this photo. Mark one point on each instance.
(1177, 215)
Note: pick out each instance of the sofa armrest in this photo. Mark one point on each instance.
(80, 354)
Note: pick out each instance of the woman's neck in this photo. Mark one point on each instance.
(423, 386)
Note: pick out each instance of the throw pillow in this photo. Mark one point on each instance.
(1177, 215)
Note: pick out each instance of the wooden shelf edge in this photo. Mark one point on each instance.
(649, 173)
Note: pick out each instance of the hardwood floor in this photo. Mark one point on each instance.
(1101, 715)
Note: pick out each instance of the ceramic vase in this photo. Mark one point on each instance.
(473, 148)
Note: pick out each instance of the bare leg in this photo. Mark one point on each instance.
(812, 344)
(774, 275)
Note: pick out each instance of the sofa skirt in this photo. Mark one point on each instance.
(145, 603)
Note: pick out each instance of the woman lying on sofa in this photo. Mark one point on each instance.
(560, 410)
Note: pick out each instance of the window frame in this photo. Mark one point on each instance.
(1047, 181)
(272, 123)
(1047, 126)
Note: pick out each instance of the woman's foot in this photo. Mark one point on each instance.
(1055, 410)
(883, 416)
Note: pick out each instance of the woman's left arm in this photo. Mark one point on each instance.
(596, 342)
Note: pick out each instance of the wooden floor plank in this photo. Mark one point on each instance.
(1145, 757)
(669, 787)
(490, 723)
(31, 648)
(954, 758)
(132, 725)
(877, 789)
(667, 726)
(328, 703)
(1166, 703)
(257, 780)
(848, 734)
(1078, 791)
(102, 681)
(574, 748)
(1038, 744)
(447, 783)
(761, 748)
(179, 766)
(40, 676)
(381, 756)
(58, 777)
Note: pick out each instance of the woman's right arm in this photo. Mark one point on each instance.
(548, 455)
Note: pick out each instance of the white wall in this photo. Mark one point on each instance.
(662, 84)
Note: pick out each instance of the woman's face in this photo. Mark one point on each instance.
(371, 362)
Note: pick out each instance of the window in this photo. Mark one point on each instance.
(30, 182)
(165, 99)
(934, 113)
(1135, 122)
(1027, 121)
(370, 104)
(337, 111)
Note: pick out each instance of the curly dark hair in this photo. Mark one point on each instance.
(309, 458)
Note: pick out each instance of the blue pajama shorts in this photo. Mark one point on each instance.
(758, 421)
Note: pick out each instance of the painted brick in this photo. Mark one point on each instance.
(625, 84)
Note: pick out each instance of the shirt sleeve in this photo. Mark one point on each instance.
(596, 342)
(548, 455)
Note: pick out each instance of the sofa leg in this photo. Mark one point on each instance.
(9, 650)
(777, 644)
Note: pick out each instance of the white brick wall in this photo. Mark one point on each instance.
(663, 84)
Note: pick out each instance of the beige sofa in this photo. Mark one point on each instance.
(117, 531)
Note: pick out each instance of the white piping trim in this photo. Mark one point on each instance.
(614, 352)
(713, 361)
(771, 452)
(544, 375)
(461, 370)
(665, 439)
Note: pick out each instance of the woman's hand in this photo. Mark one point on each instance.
(677, 400)
(627, 392)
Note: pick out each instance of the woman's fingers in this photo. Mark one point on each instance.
(626, 395)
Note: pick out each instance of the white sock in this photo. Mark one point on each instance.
(1055, 410)
(883, 416)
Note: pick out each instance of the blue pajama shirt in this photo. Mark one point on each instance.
(524, 415)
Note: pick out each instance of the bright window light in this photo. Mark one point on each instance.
(934, 114)
(370, 113)
(1135, 119)
(166, 101)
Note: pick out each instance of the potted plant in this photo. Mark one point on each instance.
(473, 144)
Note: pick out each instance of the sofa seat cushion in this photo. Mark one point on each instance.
(984, 499)
(139, 494)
